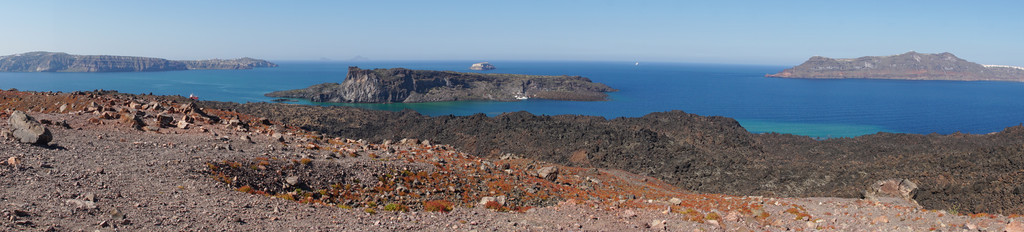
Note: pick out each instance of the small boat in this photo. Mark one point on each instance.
(637, 64)
(193, 97)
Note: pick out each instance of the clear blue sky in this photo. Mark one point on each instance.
(742, 32)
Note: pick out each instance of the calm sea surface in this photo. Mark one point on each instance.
(819, 108)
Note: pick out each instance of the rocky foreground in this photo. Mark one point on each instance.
(906, 66)
(408, 86)
(145, 163)
(965, 172)
(63, 62)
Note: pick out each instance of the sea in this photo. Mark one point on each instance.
(817, 108)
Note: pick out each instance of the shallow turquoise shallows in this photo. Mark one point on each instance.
(818, 108)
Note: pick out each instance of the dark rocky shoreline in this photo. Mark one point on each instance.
(408, 86)
(971, 173)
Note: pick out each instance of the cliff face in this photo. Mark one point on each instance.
(404, 85)
(907, 66)
(63, 62)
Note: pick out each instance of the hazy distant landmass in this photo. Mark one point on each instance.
(63, 62)
(906, 66)
(405, 85)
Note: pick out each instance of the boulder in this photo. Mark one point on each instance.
(183, 124)
(886, 190)
(164, 120)
(548, 173)
(133, 121)
(28, 130)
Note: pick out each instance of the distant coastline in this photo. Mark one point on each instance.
(63, 62)
(906, 66)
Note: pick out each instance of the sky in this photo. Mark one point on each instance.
(731, 32)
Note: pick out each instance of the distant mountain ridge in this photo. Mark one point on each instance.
(906, 66)
(63, 62)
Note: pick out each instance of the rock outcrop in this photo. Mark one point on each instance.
(482, 66)
(27, 130)
(63, 62)
(906, 66)
(405, 85)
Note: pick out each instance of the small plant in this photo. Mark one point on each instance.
(396, 207)
(954, 210)
(763, 216)
(494, 205)
(344, 206)
(285, 196)
(305, 161)
(437, 206)
(245, 189)
(370, 211)
(712, 216)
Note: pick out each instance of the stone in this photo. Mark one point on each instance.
(82, 204)
(28, 130)
(733, 216)
(277, 137)
(93, 107)
(629, 213)
(246, 138)
(292, 180)
(548, 173)
(183, 125)
(409, 141)
(675, 201)
(880, 220)
(164, 120)
(63, 108)
(6, 134)
(108, 115)
(657, 224)
(13, 161)
(484, 200)
(133, 121)
(892, 188)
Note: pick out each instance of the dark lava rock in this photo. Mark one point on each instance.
(405, 85)
(976, 173)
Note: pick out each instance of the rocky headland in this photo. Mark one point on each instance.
(482, 66)
(408, 86)
(63, 62)
(906, 66)
(153, 163)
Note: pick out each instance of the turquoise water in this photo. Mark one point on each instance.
(819, 108)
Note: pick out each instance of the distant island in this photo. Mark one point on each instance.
(63, 62)
(482, 66)
(906, 66)
(405, 85)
